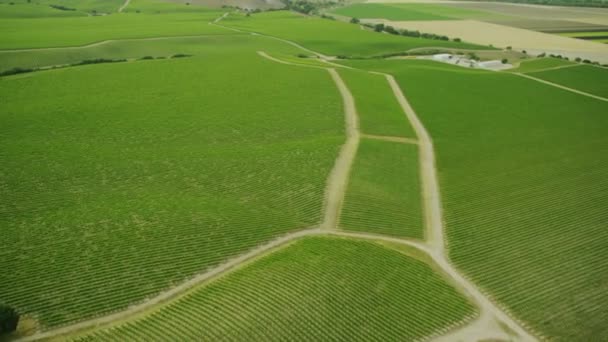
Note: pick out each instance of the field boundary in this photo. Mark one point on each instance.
(572, 90)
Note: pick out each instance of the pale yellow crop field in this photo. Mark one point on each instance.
(502, 36)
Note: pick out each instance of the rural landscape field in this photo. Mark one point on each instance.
(304, 170)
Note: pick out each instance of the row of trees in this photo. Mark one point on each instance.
(391, 30)
(307, 7)
(577, 59)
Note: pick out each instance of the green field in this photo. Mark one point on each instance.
(579, 34)
(524, 186)
(316, 289)
(332, 37)
(403, 12)
(123, 185)
(108, 199)
(389, 12)
(42, 8)
(379, 112)
(19, 10)
(590, 79)
(383, 194)
(539, 64)
(51, 32)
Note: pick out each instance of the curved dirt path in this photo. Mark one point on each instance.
(562, 87)
(127, 2)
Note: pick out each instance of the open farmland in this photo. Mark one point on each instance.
(524, 188)
(175, 171)
(315, 289)
(331, 37)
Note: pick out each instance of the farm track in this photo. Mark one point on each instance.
(563, 87)
(488, 323)
(127, 2)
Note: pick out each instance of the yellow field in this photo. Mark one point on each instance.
(502, 36)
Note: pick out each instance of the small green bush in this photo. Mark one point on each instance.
(9, 319)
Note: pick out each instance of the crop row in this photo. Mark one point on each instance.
(316, 288)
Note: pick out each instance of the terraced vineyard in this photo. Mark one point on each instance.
(524, 188)
(383, 195)
(315, 289)
(107, 200)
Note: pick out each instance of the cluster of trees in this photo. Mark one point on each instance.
(9, 318)
(62, 8)
(307, 7)
(391, 30)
